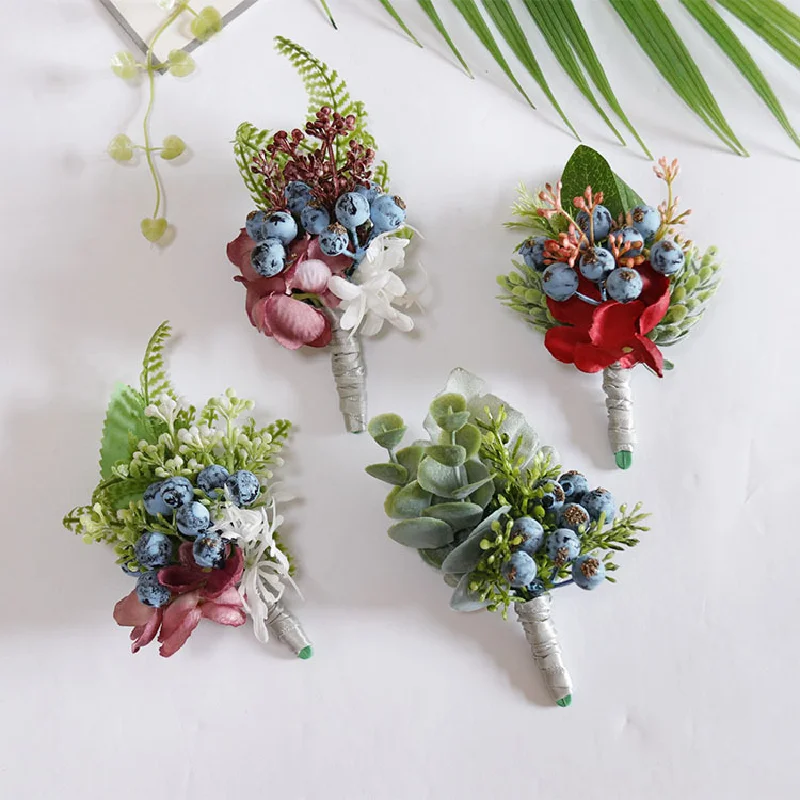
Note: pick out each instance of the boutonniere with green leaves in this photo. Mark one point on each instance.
(186, 500)
(319, 256)
(608, 279)
(488, 506)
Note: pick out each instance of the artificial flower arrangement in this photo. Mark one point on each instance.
(186, 499)
(612, 284)
(487, 505)
(319, 255)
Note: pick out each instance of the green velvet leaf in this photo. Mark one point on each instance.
(466, 556)
(457, 515)
(447, 404)
(124, 417)
(452, 455)
(483, 495)
(586, 167)
(406, 502)
(469, 437)
(423, 532)
(435, 555)
(410, 457)
(387, 430)
(389, 473)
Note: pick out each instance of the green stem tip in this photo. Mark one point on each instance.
(624, 459)
(564, 701)
(306, 652)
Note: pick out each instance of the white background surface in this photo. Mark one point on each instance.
(685, 670)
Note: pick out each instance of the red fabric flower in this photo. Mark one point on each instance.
(201, 594)
(595, 337)
(269, 302)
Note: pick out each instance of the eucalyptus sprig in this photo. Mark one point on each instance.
(205, 24)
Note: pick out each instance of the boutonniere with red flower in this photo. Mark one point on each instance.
(319, 256)
(608, 279)
(186, 500)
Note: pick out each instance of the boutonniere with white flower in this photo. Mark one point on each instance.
(186, 500)
(321, 253)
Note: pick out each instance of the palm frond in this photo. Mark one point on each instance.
(433, 16)
(327, 10)
(390, 10)
(766, 19)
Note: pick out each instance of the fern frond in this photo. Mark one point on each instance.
(154, 380)
(247, 143)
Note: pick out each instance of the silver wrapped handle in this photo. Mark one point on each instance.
(534, 616)
(349, 373)
(619, 402)
(285, 628)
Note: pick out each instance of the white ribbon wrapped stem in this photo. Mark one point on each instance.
(619, 402)
(285, 627)
(542, 637)
(349, 372)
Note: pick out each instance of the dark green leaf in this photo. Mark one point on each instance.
(422, 532)
(435, 555)
(389, 473)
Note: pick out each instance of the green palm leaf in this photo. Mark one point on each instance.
(393, 13)
(433, 16)
(764, 19)
(732, 46)
(327, 10)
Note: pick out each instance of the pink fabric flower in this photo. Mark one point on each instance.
(201, 594)
(269, 303)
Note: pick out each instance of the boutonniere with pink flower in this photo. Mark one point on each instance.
(320, 255)
(187, 501)
(608, 279)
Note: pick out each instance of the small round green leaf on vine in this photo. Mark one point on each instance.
(124, 65)
(172, 147)
(120, 148)
(153, 229)
(206, 24)
(180, 63)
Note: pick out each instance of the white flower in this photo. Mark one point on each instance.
(266, 568)
(370, 297)
(166, 409)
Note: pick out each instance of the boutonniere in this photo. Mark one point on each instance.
(187, 502)
(321, 253)
(487, 505)
(608, 279)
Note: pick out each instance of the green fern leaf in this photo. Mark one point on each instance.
(154, 380)
(248, 142)
(124, 418)
(690, 293)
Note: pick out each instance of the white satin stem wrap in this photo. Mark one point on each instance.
(619, 402)
(349, 372)
(285, 628)
(545, 648)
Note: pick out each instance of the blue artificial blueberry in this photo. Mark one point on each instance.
(596, 263)
(209, 550)
(243, 487)
(588, 572)
(211, 479)
(176, 492)
(575, 486)
(153, 549)
(333, 240)
(153, 504)
(666, 257)
(560, 281)
(532, 534)
(280, 225)
(646, 220)
(532, 252)
(624, 284)
(254, 225)
(352, 210)
(563, 545)
(151, 592)
(630, 234)
(371, 192)
(553, 497)
(298, 196)
(572, 516)
(601, 217)
(193, 519)
(268, 258)
(387, 212)
(519, 570)
(536, 587)
(599, 501)
(315, 219)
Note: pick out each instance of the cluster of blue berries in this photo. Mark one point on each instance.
(176, 497)
(356, 218)
(614, 275)
(571, 506)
